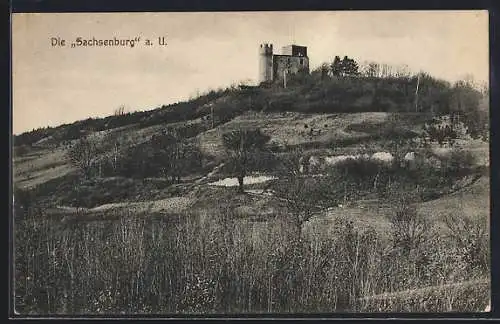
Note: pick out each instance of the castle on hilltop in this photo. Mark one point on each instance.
(272, 67)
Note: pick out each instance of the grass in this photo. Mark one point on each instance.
(233, 253)
(288, 129)
(209, 262)
(469, 296)
(144, 245)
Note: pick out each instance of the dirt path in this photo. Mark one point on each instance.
(426, 290)
(173, 204)
(210, 174)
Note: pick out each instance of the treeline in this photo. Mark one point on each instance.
(172, 113)
(344, 86)
(340, 86)
(172, 154)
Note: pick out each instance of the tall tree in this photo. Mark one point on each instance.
(465, 102)
(241, 145)
(120, 111)
(349, 66)
(344, 67)
(336, 66)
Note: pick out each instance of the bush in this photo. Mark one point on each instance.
(210, 263)
(409, 228)
(164, 155)
(363, 177)
(363, 174)
(471, 241)
(458, 163)
(21, 150)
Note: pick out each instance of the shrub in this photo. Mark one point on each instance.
(21, 150)
(365, 173)
(164, 155)
(458, 163)
(471, 240)
(409, 228)
(211, 263)
(357, 167)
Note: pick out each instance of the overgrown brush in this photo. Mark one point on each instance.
(215, 263)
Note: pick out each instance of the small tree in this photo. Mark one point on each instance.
(468, 104)
(302, 194)
(83, 155)
(371, 69)
(241, 144)
(293, 162)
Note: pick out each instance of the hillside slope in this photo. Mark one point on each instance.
(160, 205)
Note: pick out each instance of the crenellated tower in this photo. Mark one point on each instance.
(266, 63)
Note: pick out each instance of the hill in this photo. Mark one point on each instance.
(136, 193)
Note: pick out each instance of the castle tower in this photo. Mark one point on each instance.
(266, 63)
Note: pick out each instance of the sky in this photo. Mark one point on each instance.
(53, 85)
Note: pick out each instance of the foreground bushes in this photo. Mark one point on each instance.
(207, 263)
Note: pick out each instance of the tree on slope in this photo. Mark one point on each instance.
(83, 155)
(241, 145)
(302, 194)
(171, 154)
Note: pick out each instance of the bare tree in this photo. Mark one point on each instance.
(83, 155)
(323, 69)
(370, 69)
(301, 193)
(120, 111)
(402, 71)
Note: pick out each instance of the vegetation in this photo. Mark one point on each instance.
(340, 86)
(305, 251)
(242, 144)
(362, 178)
(344, 67)
(84, 154)
(209, 263)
